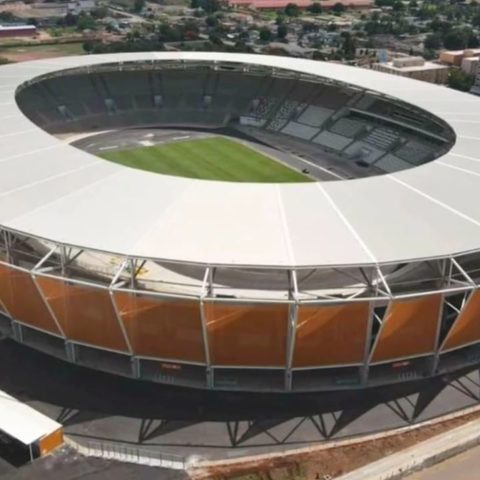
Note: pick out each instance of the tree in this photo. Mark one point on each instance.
(309, 27)
(292, 10)
(139, 5)
(338, 8)
(476, 19)
(432, 42)
(317, 55)
(473, 41)
(265, 34)
(215, 39)
(398, 6)
(315, 8)
(348, 46)
(460, 80)
(243, 36)
(194, 4)
(211, 21)
(210, 6)
(70, 20)
(100, 12)
(7, 17)
(282, 31)
(85, 22)
(455, 39)
(89, 46)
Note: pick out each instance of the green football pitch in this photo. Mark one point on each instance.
(213, 158)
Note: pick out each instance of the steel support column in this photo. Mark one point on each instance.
(364, 369)
(446, 278)
(207, 290)
(118, 316)
(292, 328)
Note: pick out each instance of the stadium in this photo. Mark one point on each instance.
(305, 226)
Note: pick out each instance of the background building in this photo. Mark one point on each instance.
(416, 68)
(17, 31)
(455, 57)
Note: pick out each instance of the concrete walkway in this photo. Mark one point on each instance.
(465, 466)
(422, 455)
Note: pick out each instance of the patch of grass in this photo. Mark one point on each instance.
(215, 158)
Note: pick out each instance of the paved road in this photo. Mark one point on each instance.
(215, 425)
(465, 466)
(66, 464)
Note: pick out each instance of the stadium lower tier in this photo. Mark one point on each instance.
(227, 344)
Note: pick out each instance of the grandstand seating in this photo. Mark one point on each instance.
(314, 116)
(332, 97)
(286, 111)
(390, 163)
(332, 140)
(348, 127)
(298, 130)
(414, 152)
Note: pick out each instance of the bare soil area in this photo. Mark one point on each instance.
(328, 463)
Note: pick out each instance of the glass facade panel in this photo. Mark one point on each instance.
(409, 328)
(23, 301)
(86, 314)
(466, 328)
(332, 335)
(162, 329)
(249, 335)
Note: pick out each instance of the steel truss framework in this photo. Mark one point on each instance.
(457, 282)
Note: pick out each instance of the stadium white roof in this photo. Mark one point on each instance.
(51, 190)
(22, 422)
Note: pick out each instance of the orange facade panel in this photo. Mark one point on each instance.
(249, 335)
(50, 442)
(331, 335)
(162, 329)
(409, 329)
(86, 314)
(20, 296)
(466, 329)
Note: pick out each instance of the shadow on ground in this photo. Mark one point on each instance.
(78, 397)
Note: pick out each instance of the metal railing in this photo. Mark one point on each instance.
(129, 453)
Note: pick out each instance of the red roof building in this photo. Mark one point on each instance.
(280, 4)
(17, 31)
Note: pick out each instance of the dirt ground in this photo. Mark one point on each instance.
(38, 52)
(328, 463)
(40, 10)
